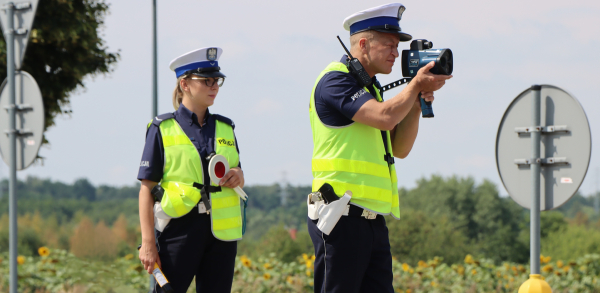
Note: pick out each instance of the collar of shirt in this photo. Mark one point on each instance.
(344, 60)
(191, 117)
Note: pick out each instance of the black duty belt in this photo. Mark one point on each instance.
(205, 191)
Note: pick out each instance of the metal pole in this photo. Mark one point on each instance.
(535, 175)
(154, 60)
(154, 95)
(12, 199)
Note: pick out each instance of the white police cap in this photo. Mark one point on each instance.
(201, 62)
(384, 18)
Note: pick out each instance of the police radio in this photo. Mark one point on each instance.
(356, 69)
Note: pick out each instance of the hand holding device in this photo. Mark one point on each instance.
(217, 168)
(421, 54)
(160, 278)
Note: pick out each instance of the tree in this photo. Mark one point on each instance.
(65, 46)
(84, 189)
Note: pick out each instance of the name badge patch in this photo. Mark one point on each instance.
(225, 142)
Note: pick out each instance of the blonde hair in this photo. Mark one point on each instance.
(178, 92)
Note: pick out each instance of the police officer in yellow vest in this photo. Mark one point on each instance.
(190, 226)
(356, 136)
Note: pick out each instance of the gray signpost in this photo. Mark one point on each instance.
(543, 150)
(16, 19)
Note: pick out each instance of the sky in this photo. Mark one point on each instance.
(273, 52)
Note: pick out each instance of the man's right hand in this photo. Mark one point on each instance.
(429, 82)
(148, 256)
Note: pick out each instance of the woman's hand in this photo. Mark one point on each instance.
(149, 256)
(233, 178)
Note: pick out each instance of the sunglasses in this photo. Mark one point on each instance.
(211, 81)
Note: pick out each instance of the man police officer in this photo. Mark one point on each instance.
(356, 135)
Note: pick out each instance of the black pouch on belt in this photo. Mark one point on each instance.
(158, 192)
(327, 193)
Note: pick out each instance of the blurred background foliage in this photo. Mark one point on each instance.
(443, 217)
(66, 46)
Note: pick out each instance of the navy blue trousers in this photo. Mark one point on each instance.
(354, 257)
(187, 248)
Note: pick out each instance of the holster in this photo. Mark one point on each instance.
(327, 207)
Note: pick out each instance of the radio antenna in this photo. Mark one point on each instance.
(346, 49)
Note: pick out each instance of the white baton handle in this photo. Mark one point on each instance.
(240, 192)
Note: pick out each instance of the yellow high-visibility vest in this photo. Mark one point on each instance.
(183, 168)
(353, 158)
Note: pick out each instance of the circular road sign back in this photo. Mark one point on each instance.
(29, 120)
(566, 146)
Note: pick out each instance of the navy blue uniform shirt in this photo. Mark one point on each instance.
(338, 97)
(203, 138)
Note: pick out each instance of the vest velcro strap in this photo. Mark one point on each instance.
(388, 158)
(351, 166)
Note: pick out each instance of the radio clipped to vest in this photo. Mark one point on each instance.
(356, 69)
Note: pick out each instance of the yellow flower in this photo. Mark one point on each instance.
(308, 272)
(411, 271)
(558, 273)
(469, 259)
(559, 264)
(545, 259)
(20, 259)
(245, 261)
(405, 267)
(434, 284)
(474, 272)
(44, 251)
(422, 264)
(394, 258)
(311, 283)
(267, 276)
(309, 264)
(460, 270)
(408, 291)
(267, 266)
(305, 256)
(521, 269)
(129, 256)
(290, 280)
(312, 257)
(566, 269)
(547, 269)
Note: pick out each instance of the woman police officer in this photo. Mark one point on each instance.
(204, 219)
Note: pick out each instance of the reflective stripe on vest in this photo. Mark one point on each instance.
(183, 167)
(352, 158)
(226, 212)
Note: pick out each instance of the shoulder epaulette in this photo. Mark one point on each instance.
(224, 119)
(160, 118)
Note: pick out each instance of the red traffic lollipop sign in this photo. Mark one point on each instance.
(217, 169)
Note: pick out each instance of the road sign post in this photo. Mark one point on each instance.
(12, 134)
(16, 25)
(544, 132)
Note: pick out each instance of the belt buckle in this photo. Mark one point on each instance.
(369, 214)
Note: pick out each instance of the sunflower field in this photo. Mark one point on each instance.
(60, 271)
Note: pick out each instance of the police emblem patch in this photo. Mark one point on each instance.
(211, 54)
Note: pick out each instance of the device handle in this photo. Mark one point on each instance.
(426, 109)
